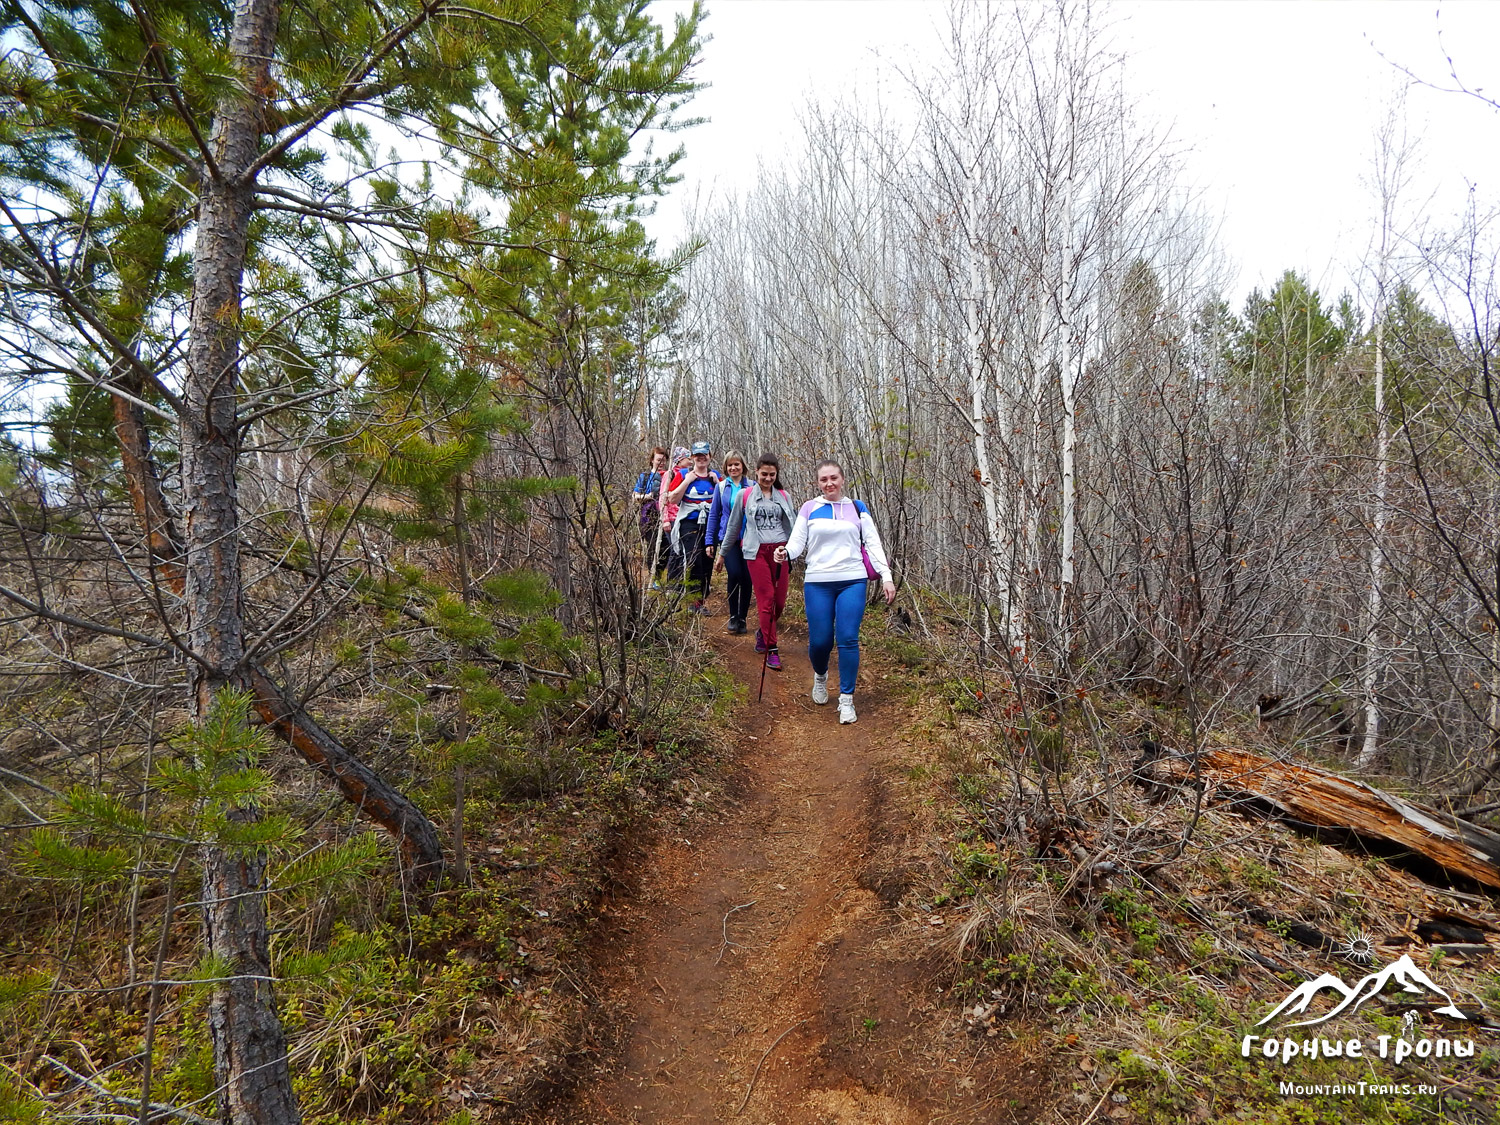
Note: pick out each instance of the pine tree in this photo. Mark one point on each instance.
(215, 125)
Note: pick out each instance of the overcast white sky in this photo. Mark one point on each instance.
(1275, 102)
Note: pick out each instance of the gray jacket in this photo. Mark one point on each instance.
(742, 518)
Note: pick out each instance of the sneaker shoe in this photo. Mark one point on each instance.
(773, 660)
(820, 688)
(739, 629)
(846, 708)
(699, 608)
(730, 626)
(760, 641)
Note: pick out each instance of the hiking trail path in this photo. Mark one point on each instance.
(762, 944)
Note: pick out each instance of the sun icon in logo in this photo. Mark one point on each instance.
(1359, 948)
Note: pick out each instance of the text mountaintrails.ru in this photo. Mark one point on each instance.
(1363, 1089)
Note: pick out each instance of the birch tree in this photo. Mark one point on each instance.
(1393, 153)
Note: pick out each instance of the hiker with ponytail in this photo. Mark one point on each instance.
(760, 524)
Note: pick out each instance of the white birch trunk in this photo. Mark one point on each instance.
(993, 498)
(1068, 385)
(1371, 674)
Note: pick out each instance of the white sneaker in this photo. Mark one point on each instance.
(846, 708)
(820, 688)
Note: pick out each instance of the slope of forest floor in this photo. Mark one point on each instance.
(851, 930)
(764, 916)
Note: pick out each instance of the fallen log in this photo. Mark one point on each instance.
(1323, 800)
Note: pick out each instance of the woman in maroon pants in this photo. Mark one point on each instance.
(761, 521)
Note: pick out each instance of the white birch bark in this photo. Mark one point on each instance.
(1391, 156)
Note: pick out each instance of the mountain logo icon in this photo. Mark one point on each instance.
(1402, 970)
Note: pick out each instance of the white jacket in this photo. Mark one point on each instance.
(830, 534)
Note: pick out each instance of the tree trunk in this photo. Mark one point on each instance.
(996, 510)
(460, 772)
(143, 481)
(1370, 684)
(421, 850)
(561, 463)
(250, 1061)
(1069, 345)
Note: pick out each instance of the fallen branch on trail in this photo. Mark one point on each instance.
(727, 943)
(750, 1089)
(1316, 798)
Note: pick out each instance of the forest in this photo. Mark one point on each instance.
(338, 706)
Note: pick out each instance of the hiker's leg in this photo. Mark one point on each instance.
(761, 567)
(703, 565)
(695, 573)
(818, 599)
(674, 557)
(782, 585)
(849, 611)
(653, 550)
(739, 582)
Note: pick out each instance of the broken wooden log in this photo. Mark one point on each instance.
(1464, 949)
(1436, 930)
(1320, 799)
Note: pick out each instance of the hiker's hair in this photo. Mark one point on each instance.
(734, 455)
(769, 459)
(661, 449)
(826, 463)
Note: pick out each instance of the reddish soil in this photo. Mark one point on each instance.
(759, 966)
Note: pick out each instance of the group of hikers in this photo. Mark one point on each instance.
(696, 521)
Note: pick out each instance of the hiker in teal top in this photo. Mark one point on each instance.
(731, 486)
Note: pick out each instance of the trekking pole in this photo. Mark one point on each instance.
(766, 656)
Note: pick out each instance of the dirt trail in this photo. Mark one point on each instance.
(767, 938)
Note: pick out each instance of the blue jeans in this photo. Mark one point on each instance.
(834, 611)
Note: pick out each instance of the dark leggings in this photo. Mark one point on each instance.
(697, 567)
(739, 581)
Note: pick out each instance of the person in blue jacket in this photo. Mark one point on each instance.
(647, 494)
(731, 486)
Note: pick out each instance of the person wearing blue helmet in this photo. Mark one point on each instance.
(694, 496)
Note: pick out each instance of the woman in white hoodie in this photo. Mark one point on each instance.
(844, 552)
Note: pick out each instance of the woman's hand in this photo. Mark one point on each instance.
(890, 591)
(709, 550)
(779, 554)
(718, 564)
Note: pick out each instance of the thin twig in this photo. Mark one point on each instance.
(725, 928)
(153, 1007)
(1099, 1103)
(750, 1089)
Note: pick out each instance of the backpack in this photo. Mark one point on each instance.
(650, 509)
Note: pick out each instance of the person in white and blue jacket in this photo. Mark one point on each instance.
(693, 496)
(838, 536)
(731, 486)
